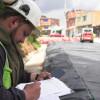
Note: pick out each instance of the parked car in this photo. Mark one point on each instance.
(56, 35)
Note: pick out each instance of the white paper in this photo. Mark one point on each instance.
(49, 97)
(54, 86)
(51, 88)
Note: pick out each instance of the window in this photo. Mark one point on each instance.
(78, 19)
(84, 18)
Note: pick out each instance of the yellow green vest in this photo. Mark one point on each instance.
(6, 72)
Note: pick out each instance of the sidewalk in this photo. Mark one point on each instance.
(97, 40)
(34, 60)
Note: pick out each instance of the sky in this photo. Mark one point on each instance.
(56, 8)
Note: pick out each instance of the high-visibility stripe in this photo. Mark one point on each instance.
(6, 71)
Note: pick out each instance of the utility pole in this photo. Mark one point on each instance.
(65, 11)
(75, 17)
(75, 11)
(65, 7)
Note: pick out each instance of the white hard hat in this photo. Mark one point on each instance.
(29, 9)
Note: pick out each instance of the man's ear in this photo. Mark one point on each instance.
(14, 22)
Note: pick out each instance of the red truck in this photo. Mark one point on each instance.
(87, 35)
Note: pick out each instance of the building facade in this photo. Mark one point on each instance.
(46, 22)
(78, 19)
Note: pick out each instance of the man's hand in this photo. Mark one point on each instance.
(43, 75)
(32, 91)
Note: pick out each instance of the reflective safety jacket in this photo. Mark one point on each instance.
(6, 72)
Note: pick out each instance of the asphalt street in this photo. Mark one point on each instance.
(85, 58)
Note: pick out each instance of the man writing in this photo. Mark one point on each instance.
(17, 21)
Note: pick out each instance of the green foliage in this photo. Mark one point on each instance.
(36, 44)
(33, 40)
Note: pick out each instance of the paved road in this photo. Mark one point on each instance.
(85, 58)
